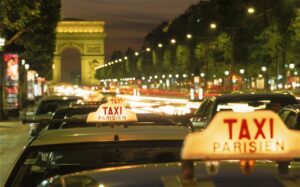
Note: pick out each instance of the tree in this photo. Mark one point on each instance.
(29, 27)
(17, 17)
(182, 59)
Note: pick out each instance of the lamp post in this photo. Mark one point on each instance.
(2, 110)
(264, 69)
(242, 71)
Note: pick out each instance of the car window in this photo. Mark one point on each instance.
(283, 114)
(291, 120)
(52, 105)
(44, 162)
(203, 108)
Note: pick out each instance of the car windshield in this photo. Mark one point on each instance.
(52, 105)
(46, 161)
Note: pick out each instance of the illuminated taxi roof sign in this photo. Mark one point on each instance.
(112, 111)
(253, 135)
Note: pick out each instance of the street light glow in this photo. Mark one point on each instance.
(264, 69)
(188, 36)
(2, 42)
(148, 49)
(202, 74)
(160, 45)
(242, 71)
(125, 58)
(173, 41)
(213, 26)
(291, 66)
(251, 10)
(226, 72)
(136, 53)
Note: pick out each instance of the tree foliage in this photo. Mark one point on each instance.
(29, 27)
(269, 37)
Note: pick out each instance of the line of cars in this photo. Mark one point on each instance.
(141, 151)
(68, 142)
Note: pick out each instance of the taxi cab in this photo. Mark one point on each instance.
(237, 149)
(112, 142)
(239, 102)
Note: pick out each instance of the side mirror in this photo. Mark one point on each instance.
(198, 122)
(29, 114)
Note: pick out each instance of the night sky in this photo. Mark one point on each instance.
(127, 21)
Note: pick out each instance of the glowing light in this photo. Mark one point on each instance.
(160, 45)
(242, 71)
(213, 26)
(188, 36)
(136, 53)
(173, 41)
(251, 10)
(148, 49)
(291, 66)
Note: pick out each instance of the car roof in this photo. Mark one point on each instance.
(295, 107)
(106, 134)
(60, 98)
(248, 96)
(171, 174)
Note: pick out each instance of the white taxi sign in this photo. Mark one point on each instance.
(249, 136)
(113, 111)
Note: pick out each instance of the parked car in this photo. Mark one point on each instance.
(115, 143)
(239, 102)
(291, 116)
(227, 155)
(45, 109)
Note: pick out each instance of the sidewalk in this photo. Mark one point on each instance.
(13, 137)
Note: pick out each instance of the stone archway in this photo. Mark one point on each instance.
(71, 66)
(88, 38)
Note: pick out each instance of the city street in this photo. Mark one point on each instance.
(13, 136)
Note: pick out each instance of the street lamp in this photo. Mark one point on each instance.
(148, 49)
(226, 73)
(189, 36)
(213, 26)
(2, 42)
(136, 53)
(264, 69)
(173, 41)
(160, 45)
(26, 66)
(242, 71)
(291, 66)
(251, 10)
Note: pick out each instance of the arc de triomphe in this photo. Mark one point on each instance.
(88, 38)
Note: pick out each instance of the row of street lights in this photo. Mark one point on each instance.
(173, 41)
